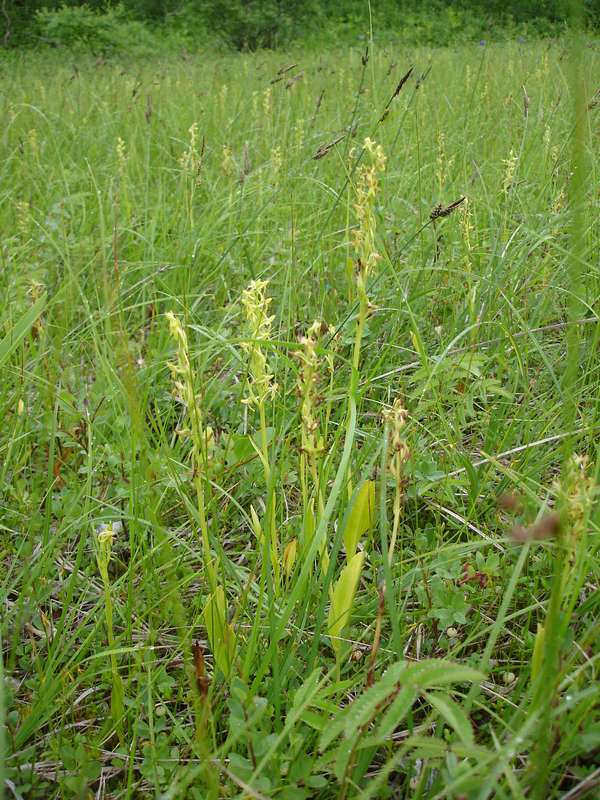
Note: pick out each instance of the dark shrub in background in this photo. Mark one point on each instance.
(250, 24)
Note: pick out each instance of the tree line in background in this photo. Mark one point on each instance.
(249, 24)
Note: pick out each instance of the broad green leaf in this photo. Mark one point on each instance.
(240, 766)
(256, 526)
(220, 633)
(453, 715)
(590, 736)
(395, 713)
(21, 328)
(314, 720)
(240, 448)
(309, 525)
(289, 557)
(342, 598)
(361, 517)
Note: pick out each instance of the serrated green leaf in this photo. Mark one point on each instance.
(453, 715)
(374, 694)
(395, 713)
(333, 729)
(425, 746)
(342, 755)
(438, 672)
(361, 517)
(366, 706)
(412, 678)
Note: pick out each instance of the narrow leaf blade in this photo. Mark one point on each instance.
(21, 328)
(361, 517)
(220, 633)
(453, 715)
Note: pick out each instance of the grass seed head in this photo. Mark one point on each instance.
(510, 167)
(184, 381)
(104, 541)
(547, 139)
(309, 378)
(289, 557)
(299, 134)
(578, 490)
(182, 367)
(32, 140)
(367, 189)
(276, 159)
(267, 105)
(227, 164)
(256, 307)
(191, 159)
(121, 155)
(443, 161)
(23, 212)
(396, 418)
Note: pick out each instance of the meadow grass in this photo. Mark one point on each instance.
(298, 460)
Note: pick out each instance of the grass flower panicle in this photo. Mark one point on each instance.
(312, 433)
(227, 162)
(363, 236)
(578, 492)
(256, 307)
(184, 380)
(367, 189)
(262, 387)
(121, 155)
(510, 168)
(221, 634)
(190, 159)
(309, 377)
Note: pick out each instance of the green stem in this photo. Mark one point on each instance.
(210, 568)
(117, 700)
(360, 328)
(397, 512)
(270, 516)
